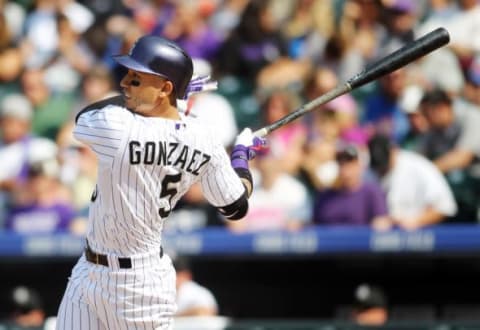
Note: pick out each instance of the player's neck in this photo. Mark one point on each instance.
(168, 112)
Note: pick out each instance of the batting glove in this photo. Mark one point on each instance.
(249, 143)
(200, 84)
(253, 143)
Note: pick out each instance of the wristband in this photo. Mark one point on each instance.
(239, 156)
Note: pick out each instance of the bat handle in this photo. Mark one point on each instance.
(261, 132)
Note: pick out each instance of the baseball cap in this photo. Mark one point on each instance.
(16, 106)
(24, 299)
(368, 296)
(346, 153)
(402, 6)
(410, 99)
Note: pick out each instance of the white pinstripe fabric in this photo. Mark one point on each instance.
(125, 217)
(98, 297)
(125, 220)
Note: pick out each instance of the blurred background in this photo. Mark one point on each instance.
(365, 212)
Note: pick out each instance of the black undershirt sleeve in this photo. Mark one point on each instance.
(115, 100)
(238, 209)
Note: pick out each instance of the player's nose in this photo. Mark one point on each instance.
(124, 83)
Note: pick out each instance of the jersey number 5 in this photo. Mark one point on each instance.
(169, 189)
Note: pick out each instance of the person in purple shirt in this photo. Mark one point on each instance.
(42, 205)
(189, 28)
(354, 200)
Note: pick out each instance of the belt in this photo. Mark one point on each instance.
(102, 259)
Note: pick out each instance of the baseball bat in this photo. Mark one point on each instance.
(399, 58)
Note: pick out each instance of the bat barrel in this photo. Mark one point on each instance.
(408, 53)
(403, 56)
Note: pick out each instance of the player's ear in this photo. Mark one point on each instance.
(166, 89)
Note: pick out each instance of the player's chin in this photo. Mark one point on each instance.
(128, 101)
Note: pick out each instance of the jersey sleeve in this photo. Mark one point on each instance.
(220, 183)
(101, 127)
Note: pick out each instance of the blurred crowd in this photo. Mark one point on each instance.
(401, 152)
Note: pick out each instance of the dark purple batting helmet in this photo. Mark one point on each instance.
(159, 56)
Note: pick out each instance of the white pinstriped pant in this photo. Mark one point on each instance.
(110, 298)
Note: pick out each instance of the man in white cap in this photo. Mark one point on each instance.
(17, 145)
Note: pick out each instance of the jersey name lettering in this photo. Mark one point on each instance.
(163, 153)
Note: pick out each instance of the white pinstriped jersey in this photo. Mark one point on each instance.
(145, 165)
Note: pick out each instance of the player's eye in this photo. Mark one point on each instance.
(135, 82)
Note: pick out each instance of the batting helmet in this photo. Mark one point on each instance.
(161, 57)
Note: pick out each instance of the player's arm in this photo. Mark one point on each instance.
(101, 126)
(244, 150)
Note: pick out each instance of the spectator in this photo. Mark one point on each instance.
(72, 59)
(471, 92)
(354, 200)
(346, 112)
(270, 206)
(361, 29)
(96, 85)
(25, 308)
(318, 163)
(40, 40)
(321, 81)
(438, 13)
(417, 193)
(381, 108)
(334, 122)
(400, 17)
(13, 18)
(307, 30)
(418, 125)
(51, 110)
(370, 306)
(78, 168)
(17, 146)
(289, 139)
(227, 16)
(253, 43)
(464, 30)
(189, 29)
(453, 144)
(193, 299)
(42, 204)
(16, 113)
(11, 65)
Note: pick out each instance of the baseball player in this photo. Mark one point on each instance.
(149, 155)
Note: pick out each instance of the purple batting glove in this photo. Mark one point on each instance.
(247, 146)
(200, 84)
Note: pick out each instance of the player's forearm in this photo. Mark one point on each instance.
(248, 186)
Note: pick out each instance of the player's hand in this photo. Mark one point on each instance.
(253, 144)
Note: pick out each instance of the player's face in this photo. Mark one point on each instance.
(143, 92)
